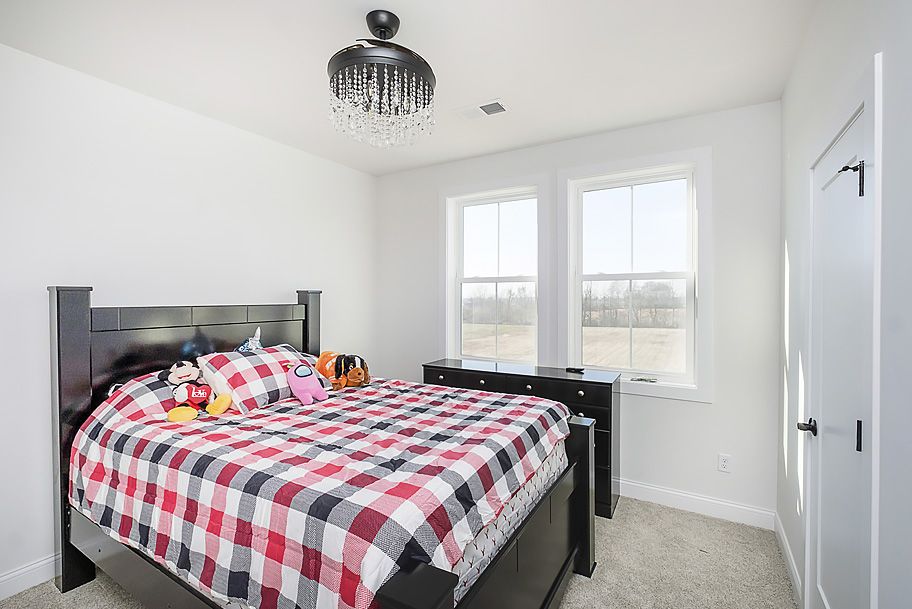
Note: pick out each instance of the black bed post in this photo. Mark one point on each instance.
(71, 393)
(311, 301)
(581, 445)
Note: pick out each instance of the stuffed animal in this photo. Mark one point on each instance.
(191, 393)
(251, 344)
(343, 370)
(305, 383)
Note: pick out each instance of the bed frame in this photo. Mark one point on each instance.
(94, 347)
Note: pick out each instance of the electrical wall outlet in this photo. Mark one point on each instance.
(725, 463)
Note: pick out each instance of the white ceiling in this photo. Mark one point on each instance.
(562, 68)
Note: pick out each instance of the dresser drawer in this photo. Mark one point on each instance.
(524, 385)
(465, 379)
(602, 416)
(438, 376)
(560, 390)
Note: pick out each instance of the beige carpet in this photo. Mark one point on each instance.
(649, 557)
(654, 557)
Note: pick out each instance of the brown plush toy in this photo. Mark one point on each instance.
(343, 370)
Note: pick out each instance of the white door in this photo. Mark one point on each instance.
(842, 343)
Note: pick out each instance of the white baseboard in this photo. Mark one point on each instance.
(794, 574)
(701, 504)
(26, 576)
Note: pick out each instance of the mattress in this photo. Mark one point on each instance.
(317, 506)
(491, 539)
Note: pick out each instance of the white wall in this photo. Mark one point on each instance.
(840, 44)
(150, 204)
(665, 443)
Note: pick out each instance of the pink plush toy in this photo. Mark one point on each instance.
(305, 384)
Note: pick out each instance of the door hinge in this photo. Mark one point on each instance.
(859, 169)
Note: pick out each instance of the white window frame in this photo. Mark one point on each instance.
(630, 179)
(455, 278)
(697, 384)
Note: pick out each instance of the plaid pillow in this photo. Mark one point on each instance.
(142, 396)
(252, 378)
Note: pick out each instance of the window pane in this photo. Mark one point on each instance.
(518, 238)
(659, 314)
(660, 226)
(606, 231)
(479, 227)
(606, 331)
(516, 314)
(479, 320)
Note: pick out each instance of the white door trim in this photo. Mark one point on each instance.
(867, 98)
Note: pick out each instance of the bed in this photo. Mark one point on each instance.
(510, 539)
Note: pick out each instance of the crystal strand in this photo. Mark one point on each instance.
(397, 93)
(415, 118)
(398, 90)
(375, 106)
(410, 97)
(360, 97)
(415, 123)
(356, 76)
(392, 122)
(422, 104)
(347, 118)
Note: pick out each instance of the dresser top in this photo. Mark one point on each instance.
(471, 365)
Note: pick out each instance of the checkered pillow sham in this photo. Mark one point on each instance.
(144, 396)
(253, 378)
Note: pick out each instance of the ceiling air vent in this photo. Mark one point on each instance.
(492, 108)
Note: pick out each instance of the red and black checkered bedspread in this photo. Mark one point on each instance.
(311, 506)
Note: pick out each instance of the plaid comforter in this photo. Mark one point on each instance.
(310, 506)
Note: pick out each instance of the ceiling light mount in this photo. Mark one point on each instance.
(380, 92)
(382, 24)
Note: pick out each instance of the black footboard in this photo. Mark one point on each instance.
(532, 569)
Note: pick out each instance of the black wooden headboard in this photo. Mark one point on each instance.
(95, 347)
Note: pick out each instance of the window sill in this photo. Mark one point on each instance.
(667, 390)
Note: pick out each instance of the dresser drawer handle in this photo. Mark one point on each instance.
(440, 378)
(581, 393)
(481, 382)
(528, 387)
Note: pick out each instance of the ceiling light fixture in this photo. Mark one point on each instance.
(381, 93)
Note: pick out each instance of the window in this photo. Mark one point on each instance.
(494, 260)
(633, 289)
(605, 266)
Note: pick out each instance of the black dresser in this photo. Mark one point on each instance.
(594, 394)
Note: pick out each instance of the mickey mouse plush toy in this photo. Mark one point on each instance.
(191, 393)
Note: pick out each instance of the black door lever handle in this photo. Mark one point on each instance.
(810, 426)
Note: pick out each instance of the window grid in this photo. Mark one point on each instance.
(629, 278)
(629, 180)
(461, 280)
